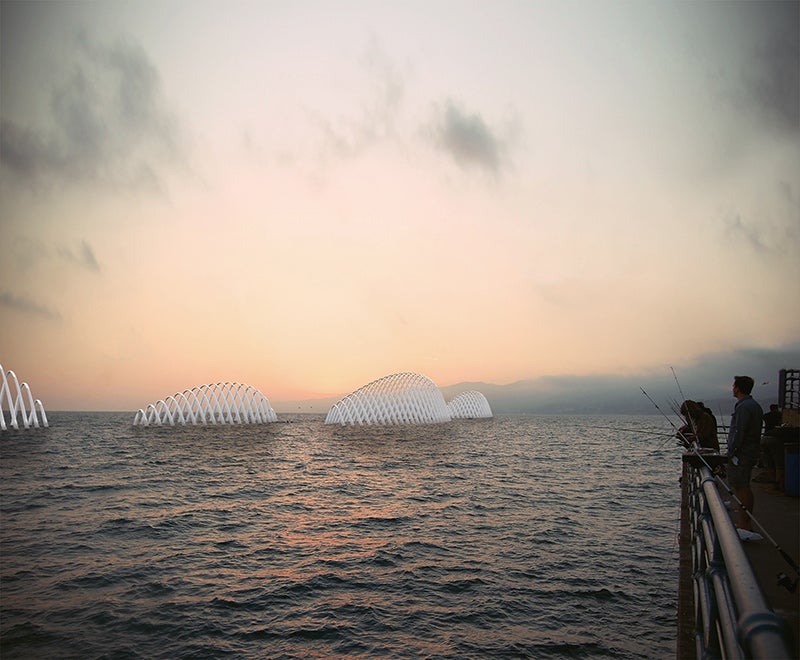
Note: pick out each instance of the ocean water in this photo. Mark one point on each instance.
(519, 536)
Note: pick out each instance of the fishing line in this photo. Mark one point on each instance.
(683, 399)
(722, 417)
(645, 432)
(672, 552)
(669, 435)
(672, 424)
(767, 535)
(663, 444)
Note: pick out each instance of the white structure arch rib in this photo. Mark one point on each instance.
(401, 398)
(470, 405)
(13, 397)
(216, 403)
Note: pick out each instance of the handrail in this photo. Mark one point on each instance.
(732, 617)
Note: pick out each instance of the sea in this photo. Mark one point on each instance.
(512, 537)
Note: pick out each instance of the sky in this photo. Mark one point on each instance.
(306, 196)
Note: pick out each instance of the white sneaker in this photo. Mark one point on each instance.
(747, 535)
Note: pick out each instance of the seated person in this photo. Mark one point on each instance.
(700, 427)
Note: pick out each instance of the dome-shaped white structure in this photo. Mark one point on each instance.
(13, 396)
(403, 398)
(220, 403)
(469, 405)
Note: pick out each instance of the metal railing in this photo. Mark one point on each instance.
(731, 617)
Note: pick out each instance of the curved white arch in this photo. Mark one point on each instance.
(15, 394)
(217, 403)
(402, 398)
(470, 405)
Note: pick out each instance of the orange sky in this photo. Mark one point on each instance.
(304, 198)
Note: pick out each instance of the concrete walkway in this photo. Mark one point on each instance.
(779, 515)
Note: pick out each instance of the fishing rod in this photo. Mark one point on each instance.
(643, 431)
(657, 407)
(667, 435)
(783, 580)
(680, 391)
(683, 399)
(678, 432)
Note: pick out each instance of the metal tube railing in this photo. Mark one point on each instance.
(732, 618)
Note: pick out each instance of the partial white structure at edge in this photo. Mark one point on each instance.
(220, 403)
(402, 398)
(470, 405)
(16, 403)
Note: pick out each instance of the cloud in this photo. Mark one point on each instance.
(761, 79)
(378, 111)
(27, 306)
(85, 257)
(772, 79)
(107, 124)
(707, 378)
(388, 91)
(468, 139)
(736, 228)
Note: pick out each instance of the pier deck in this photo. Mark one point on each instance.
(780, 516)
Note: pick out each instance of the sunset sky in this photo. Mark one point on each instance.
(307, 196)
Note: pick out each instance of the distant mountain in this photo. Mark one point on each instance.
(706, 379)
(560, 395)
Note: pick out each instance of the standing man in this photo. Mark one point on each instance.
(744, 439)
(773, 418)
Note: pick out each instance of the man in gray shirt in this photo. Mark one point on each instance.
(744, 440)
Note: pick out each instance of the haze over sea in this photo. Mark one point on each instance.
(519, 536)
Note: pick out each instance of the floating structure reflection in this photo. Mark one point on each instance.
(469, 405)
(14, 395)
(220, 403)
(402, 398)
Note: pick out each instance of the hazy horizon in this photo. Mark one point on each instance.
(707, 379)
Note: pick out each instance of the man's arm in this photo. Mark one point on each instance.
(737, 430)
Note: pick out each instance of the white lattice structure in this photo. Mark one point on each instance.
(13, 396)
(220, 403)
(469, 405)
(404, 398)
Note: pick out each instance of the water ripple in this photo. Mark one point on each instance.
(514, 537)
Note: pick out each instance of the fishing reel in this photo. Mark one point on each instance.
(787, 583)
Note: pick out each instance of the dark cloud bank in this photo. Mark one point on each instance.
(107, 124)
(770, 82)
(707, 379)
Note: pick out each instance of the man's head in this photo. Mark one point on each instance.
(742, 386)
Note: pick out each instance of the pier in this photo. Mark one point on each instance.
(735, 598)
